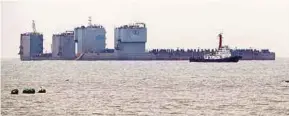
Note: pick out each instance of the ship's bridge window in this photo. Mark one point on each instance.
(135, 32)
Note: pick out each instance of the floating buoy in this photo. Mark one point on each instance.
(287, 81)
(42, 91)
(67, 80)
(14, 91)
(29, 91)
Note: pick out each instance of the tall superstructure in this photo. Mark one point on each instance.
(31, 44)
(130, 38)
(63, 45)
(90, 39)
(129, 42)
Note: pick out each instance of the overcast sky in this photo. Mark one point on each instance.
(171, 23)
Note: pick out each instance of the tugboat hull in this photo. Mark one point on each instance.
(229, 59)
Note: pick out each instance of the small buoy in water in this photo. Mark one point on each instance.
(42, 90)
(287, 81)
(67, 80)
(14, 91)
(29, 91)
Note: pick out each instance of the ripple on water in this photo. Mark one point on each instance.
(145, 88)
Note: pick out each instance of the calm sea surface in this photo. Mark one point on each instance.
(154, 88)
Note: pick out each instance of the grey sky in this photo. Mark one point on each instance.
(171, 23)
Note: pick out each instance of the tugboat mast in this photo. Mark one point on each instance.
(220, 40)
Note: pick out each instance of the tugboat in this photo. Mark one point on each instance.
(223, 54)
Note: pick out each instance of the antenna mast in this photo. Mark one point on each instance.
(33, 26)
(220, 40)
(89, 21)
